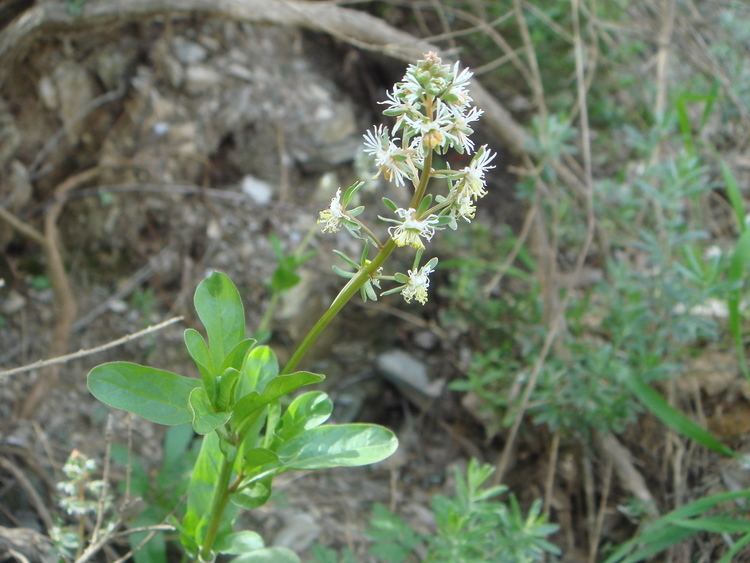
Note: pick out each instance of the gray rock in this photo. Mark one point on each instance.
(259, 191)
(188, 52)
(299, 532)
(200, 78)
(47, 92)
(12, 303)
(410, 375)
(426, 339)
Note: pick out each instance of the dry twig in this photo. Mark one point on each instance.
(90, 351)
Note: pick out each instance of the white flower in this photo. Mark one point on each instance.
(419, 282)
(331, 218)
(437, 132)
(463, 208)
(401, 103)
(410, 231)
(712, 252)
(395, 163)
(457, 93)
(461, 130)
(473, 181)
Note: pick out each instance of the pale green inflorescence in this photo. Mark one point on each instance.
(434, 114)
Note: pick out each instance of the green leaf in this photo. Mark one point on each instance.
(257, 458)
(277, 388)
(198, 351)
(176, 444)
(219, 308)
(205, 419)
(259, 367)
(736, 275)
(674, 418)
(253, 496)
(338, 445)
(671, 528)
(735, 196)
(200, 494)
(307, 411)
(238, 543)
(155, 394)
(236, 357)
(268, 555)
(390, 204)
(227, 384)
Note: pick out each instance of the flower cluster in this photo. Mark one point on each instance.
(81, 494)
(433, 110)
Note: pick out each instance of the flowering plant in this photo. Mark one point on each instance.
(433, 112)
(236, 404)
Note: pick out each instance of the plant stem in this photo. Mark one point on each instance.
(348, 291)
(218, 504)
(353, 285)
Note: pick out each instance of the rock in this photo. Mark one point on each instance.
(200, 78)
(12, 303)
(299, 532)
(426, 339)
(188, 52)
(112, 66)
(75, 90)
(410, 376)
(47, 92)
(259, 191)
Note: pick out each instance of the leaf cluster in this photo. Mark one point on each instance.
(249, 438)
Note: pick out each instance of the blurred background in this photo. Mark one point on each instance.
(584, 337)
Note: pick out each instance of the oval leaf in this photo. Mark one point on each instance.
(259, 367)
(238, 543)
(268, 555)
(205, 420)
(219, 308)
(307, 411)
(338, 445)
(236, 356)
(155, 394)
(277, 388)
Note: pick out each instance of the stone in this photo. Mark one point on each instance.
(75, 91)
(299, 532)
(188, 52)
(410, 375)
(200, 78)
(12, 303)
(259, 191)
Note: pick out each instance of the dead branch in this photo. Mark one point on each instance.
(90, 351)
(65, 302)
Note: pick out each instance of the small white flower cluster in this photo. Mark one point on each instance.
(434, 114)
(80, 492)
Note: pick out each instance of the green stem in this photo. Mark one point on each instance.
(349, 290)
(354, 284)
(218, 504)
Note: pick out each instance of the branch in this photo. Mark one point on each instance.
(90, 351)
